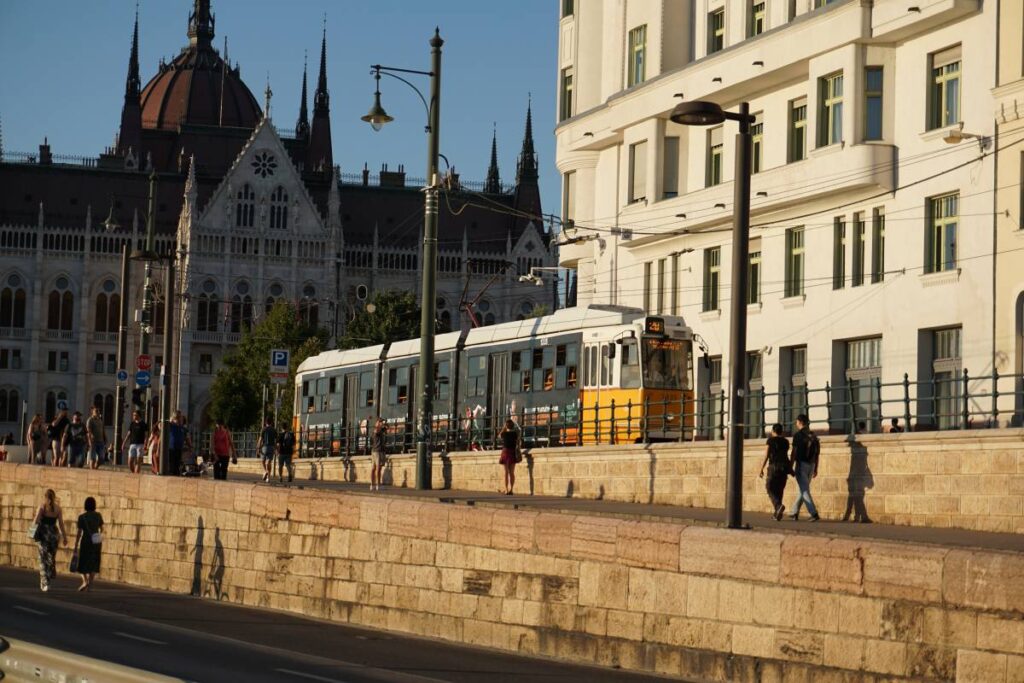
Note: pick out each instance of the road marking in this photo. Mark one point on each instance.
(30, 610)
(311, 677)
(139, 638)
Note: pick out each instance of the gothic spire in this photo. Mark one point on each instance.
(302, 127)
(319, 157)
(133, 85)
(200, 25)
(493, 184)
(527, 168)
(321, 100)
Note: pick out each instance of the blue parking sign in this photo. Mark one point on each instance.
(279, 360)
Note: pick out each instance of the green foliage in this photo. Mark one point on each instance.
(236, 394)
(538, 311)
(395, 317)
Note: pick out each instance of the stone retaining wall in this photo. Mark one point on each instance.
(971, 479)
(703, 603)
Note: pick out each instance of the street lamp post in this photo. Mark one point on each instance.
(706, 114)
(377, 117)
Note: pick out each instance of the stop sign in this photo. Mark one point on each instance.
(144, 361)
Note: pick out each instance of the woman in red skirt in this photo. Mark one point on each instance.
(510, 454)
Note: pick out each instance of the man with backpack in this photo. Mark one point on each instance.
(266, 445)
(285, 450)
(776, 457)
(806, 449)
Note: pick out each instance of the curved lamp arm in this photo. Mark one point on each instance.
(377, 70)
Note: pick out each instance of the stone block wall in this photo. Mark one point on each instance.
(697, 602)
(971, 479)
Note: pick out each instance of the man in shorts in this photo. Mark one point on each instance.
(266, 446)
(55, 433)
(136, 441)
(75, 441)
(285, 450)
(97, 435)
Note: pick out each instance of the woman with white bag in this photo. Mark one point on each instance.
(88, 544)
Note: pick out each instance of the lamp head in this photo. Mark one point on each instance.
(698, 113)
(377, 117)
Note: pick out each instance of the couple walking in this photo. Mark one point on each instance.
(802, 463)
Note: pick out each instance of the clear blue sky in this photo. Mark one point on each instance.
(63, 65)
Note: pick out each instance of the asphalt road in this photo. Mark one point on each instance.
(201, 640)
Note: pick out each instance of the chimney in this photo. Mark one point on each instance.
(366, 175)
(392, 178)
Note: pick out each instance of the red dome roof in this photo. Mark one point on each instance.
(189, 91)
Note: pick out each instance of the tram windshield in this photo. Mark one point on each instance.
(664, 363)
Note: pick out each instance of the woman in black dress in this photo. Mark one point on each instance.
(89, 543)
(509, 437)
(49, 523)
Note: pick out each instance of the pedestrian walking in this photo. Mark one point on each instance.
(49, 529)
(378, 453)
(266, 446)
(97, 435)
(510, 453)
(35, 437)
(776, 457)
(75, 441)
(223, 450)
(153, 449)
(285, 451)
(88, 543)
(177, 441)
(806, 450)
(135, 439)
(55, 434)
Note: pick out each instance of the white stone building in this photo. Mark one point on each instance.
(872, 248)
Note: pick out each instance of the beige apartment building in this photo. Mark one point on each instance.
(875, 216)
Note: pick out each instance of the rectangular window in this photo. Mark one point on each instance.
(205, 364)
(569, 197)
(755, 396)
(100, 364)
(946, 377)
(716, 30)
(878, 245)
(111, 363)
(713, 174)
(675, 284)
(712, 268)
(838, 252)
(756, 25)
(568, 8)
(757, 142)
(65, 362)
(15, 359)
(944, 88)
(754, 274)
(940, 242)
(51, 361)
(830, 109)
(797, 130)
(637, 56)
(566, 108)
(794, 261)
(794, 396)
(859, 245)
(873, 103)
(670, 167)
(821, 3)
(661, 286)
(863, 369)
(5, 359)
(638, 172)
(647, 287)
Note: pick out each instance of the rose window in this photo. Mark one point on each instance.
(263, 164)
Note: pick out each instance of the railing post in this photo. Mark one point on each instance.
(629, 420)
(721, 415)
(878, 389)
(551, 417)
(597, 421)
(966, 408)
(611, 430)
(764, 412)
(995, 397)
(851, 407)
(807, 399)
(646, 421)
(906, 402)
(682, 416)
(579, 424)
(828, 404)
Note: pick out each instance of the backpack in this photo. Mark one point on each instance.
(813, 447)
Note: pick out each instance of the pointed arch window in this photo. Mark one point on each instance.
(274, 294)
(245, 208)
(241, 309)
(309, 308)
(60, 306)
(207, 307)
(10, 405)
(108, 308)
(12, 302)
(279, 209)
(484, 313)
(104, 402)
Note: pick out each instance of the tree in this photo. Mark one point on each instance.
(395, 317)
(236, 394)
(538, 311)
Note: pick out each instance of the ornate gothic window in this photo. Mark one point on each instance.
(61, 304)
(484, 313)
(309, 309)
(274, 294)
(12, 302)
(207, 308)
(241, 309)
(263, 164)
(108, 308)
(10, 406)
(245, 209)
(279, 208)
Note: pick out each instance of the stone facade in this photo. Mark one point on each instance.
(697, 602)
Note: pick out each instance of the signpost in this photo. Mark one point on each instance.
(143, 378)
(279, 362)
(144, 361)
(122, 378)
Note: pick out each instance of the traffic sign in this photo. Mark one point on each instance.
(144, 361)
(143, 378)
(122, 377)
(62, 404)
(279, 360)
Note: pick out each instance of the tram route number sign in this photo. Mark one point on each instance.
(279, 362)
(144, 361)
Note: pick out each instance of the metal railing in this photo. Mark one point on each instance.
(953, 401)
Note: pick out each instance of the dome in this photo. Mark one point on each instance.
(188, 91)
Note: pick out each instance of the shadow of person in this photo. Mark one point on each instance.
(528, 457)
(217, 568)
(197, 563)
(446, 469)
(570, 489)
(652, 464)
(858, 481)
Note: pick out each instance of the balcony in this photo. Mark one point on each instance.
(103, 337)
(59, 335)
(13, 333)
(204, 337)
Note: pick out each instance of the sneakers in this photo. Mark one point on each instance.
(793, 517)
(778, 513)
(815, 518)
(266, 477)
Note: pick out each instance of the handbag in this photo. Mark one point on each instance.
(96, 538)
(33, 532)
(74, 563)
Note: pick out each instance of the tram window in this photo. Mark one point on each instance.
(442, 381)
(305, 388)
(538, 378)
(524, 381)
(571, 376)
(560, 355)
(398, 386)
(332, 385)
(366, 388)
(592, 366)
(321, 386)
(606, 364)
(629, 373)
(538, 358)
(476, 377)
(516, 361)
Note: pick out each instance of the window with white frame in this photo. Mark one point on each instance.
(713, 173)
(638, 172)
(569, 198)
(940, 241)
(637, 58)
(877, 244)
(662, 264)
(674, 299)
(716, 30)
(830, 109)
(565, 110)
(757, 142)
(859, 246)
(794, 261)
(712, 275)
(797, 130)
(838, 252)
(754, 273)
(946, 376)
(863, 370)
(873, 103)
(756, 25)
(670, 167)
(944, 88)
(648, 293)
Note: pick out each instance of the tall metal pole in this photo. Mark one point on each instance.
(147, 292)
(738, 323)
(122, 355)
(426, 369)
(166, 370)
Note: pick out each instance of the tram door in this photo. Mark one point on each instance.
(497, 400)
(350, 429)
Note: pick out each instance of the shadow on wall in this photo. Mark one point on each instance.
(858, 480)
(316, 470)
(197, 563)
(349, 466)
(529, 469)
(570, 489)
(215, 577)
(446, 471)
